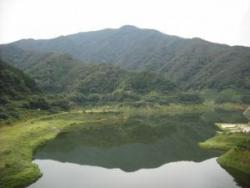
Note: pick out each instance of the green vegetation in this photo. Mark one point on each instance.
(75, 84)
(225, 141)
(14, 83)
(237, 149)
(19, 141)
(190, 63)
(135, 72)
(15, 87)
(134, 67)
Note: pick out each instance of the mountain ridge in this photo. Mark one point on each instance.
(191, 63)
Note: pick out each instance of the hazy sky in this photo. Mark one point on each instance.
(223, 21)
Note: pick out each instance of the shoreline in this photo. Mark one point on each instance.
(234, 139)
(20, 141)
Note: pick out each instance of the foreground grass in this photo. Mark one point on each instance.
(237, 147)
(19, 141)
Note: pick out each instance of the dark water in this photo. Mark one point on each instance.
(154, 151)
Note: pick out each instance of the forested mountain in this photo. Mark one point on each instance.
(191, 63)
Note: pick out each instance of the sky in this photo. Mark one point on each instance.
(221, 21)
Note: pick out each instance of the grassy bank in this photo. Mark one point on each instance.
(19, 141)
(237, 147)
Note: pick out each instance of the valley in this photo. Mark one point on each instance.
(123, 101)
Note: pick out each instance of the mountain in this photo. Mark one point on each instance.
(191, 63)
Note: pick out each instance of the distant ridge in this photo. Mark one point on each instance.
(191, 63)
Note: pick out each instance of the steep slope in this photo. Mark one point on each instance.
(15, 89)
(52, 71)
(192, 63)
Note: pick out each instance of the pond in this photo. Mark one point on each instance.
(138, 151)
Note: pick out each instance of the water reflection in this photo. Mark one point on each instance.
(114, 148)
(206, 174)
(134, 144)
(242, 179)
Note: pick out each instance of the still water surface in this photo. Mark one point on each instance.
(155, 151)
(206, 174)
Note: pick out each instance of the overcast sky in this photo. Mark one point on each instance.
(222, 21)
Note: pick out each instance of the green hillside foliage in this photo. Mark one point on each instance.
(51, 72)
(145, 82)
(190, 63)
(14, 83)
(62, 74)
(126, 65)
(20, 96)
(15, 86)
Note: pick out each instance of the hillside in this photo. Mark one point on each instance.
(15, 87)
(14, 83)
(62, 74)
(191, 63)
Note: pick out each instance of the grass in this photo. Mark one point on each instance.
(236, 158)
(237, 147)
(19, 141)
(224, 141)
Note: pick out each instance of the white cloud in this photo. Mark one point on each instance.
(224, 21)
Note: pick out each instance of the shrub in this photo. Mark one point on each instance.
(39, 103)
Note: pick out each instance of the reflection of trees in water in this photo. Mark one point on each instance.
(138, 142)
(242, 179)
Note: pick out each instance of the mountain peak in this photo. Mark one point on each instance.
(128, 27)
